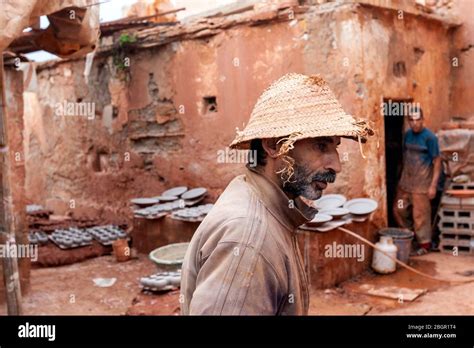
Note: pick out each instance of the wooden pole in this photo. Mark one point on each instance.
(10, 262)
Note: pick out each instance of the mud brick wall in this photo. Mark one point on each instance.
(156, 126)
(462, 83)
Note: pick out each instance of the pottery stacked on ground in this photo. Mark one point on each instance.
(171, 200)
(161, 281)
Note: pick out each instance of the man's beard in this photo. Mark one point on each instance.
(303, 182)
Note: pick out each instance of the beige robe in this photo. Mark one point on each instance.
(244, 258)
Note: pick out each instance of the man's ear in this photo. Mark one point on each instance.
(271, 147)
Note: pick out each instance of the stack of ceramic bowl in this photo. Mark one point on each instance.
(106, 235)
(319, 219)
(335, 211)
(331, 205)
(330, 201)
(329, 215)
(161, 281)
(171, 200)
(144, 202)
(204, 209)
(172, 194)
(37, 237)
(159, 210)
(197, 213)
(194, 196)
(142, 206)
(70, 238)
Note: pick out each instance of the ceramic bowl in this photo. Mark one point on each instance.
(175, 280)
(160, 283)
(145, 281)
(361, 206)
(42, 238)
(319, 219)
(194, 193)
(336, 213)
(166, 198)
(330, 201)
(145, 201)
(175, 191)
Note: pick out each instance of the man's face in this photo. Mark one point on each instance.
(416, 122)
(316, 164)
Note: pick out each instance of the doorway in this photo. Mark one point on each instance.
(393, 112)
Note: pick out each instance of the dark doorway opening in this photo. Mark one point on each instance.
(394, 112)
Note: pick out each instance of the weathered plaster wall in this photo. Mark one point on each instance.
(159, 120)
(357, 51)
(462, 92)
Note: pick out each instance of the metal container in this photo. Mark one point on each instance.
(402, 238)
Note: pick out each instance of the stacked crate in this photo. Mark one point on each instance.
(457, 221)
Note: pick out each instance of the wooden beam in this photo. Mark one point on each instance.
(7, 234)
(143, 18)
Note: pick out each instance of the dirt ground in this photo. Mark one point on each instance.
(69, 290)
(440, 298)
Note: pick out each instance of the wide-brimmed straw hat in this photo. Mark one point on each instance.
(298, 107)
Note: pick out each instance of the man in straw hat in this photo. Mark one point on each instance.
(244, 257)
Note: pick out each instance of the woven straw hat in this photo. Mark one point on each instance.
(298, 107)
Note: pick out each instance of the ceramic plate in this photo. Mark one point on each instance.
(361, 206)
(205, 208)
(166, 198)
(359, 218)
(145, 201)
(190, 202)
(335, 212)
(330, 201)
(175, 191)
(331, 225)
(319, 219)
(194, 193)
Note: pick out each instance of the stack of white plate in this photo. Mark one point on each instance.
(334, 211)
